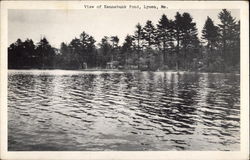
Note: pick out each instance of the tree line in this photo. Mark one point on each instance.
(171, 44)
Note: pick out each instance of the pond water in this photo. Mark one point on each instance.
(56, 110)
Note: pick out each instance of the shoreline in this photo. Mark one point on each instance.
(123, 70)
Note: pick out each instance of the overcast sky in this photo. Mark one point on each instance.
(64, 25)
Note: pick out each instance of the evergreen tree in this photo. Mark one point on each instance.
(177, 36)
(229, 33)
(138, 42)
(67, 60)
(164, 38)
(149, 37)
(189, 30)
(148, 34)
(29, 52)
(82, 50)
(87, 45)
(115, 41)
(75, 50)
(178, 25)
(210, 34)
(22, 54)
(189, 41)
(105, 54)
(46, 53)
(115, 48)
(128, 44)
(127, 49)
(236, 46)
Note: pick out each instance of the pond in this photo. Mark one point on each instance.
(57, 110)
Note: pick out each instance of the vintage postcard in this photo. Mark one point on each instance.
(124, 80)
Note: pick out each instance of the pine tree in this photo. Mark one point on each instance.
(75, 49)
(115, 41)
(164, 38)
(127, 49)
(148, 34)
(46, 53)
(83, 49)
(210, 34)
(105, 51)
(22, 54)
(178, 25)
(115, 48)
(138, 41)
(66, 57)
(228, 35)
(189, 31)
(189, 40)
(149, 37)
(236, 47)
(29, 52)
(185, 32)
(87, 47)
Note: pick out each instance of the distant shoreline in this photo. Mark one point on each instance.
(124, 70)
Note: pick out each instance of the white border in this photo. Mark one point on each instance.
(235, 155)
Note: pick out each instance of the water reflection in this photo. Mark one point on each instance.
(55, 110)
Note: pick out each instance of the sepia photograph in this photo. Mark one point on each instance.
(124, 76)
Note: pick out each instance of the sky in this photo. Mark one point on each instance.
(64, 25)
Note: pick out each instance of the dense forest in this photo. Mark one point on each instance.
(172, 44)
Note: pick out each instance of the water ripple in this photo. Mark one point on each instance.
(76, 110)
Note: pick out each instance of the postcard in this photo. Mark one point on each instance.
(124, 80)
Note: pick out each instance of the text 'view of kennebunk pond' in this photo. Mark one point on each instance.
(137, 81)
